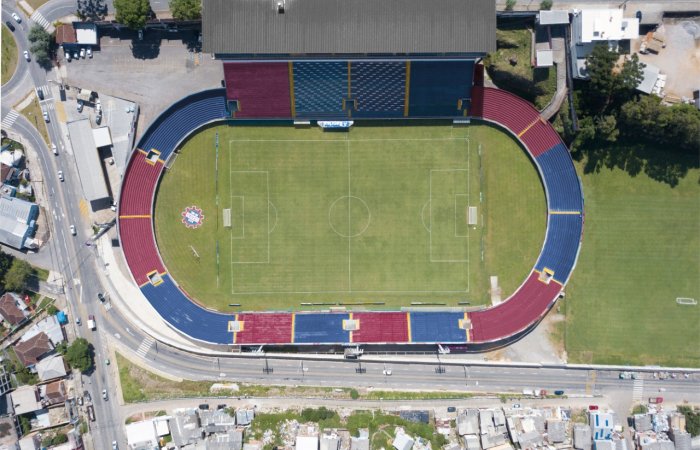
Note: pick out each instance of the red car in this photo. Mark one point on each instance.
(592, 407)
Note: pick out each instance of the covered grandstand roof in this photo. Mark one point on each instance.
(360, 27)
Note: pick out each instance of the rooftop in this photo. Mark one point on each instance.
(51, 367)
(10, 311)
(30, 351)
(357, 27)
(89, 167)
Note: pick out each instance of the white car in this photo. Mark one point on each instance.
(72, 230)
(114, 445)
(89, 53)
(54, 149)
(46, 117)
(26, 55)
(104, 394)
(60, 175)
(17, 17)
(386, 372)
(82, 53)
(80, 106)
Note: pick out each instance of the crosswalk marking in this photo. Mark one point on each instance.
(638, 390)
(145, 346)
(10, 118)
(45, 89)
(41, 20)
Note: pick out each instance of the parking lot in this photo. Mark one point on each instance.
(153, 72)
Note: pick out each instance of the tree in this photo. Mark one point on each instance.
(79, 355)
(40, 44)
(510, 4)
(60, 438)
(610, 86)
(186, 9)
(5, 263)
(16, 278)
(132, 13)
(546, 5)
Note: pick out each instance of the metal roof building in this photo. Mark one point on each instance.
(92, 177)
(360, 28)
(17, 221)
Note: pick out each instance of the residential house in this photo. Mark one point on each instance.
(53, 393)
(13, 310)
(51, 368)
(48, 326)
(32, 350)
(25, 399)
(18, 222)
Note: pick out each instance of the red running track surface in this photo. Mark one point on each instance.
(520, 311)
(381, 327)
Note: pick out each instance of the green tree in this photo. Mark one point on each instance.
(510, 4)
(692, 419)
(546, 5)
(51, 309)
(16, 278)
(60, 438)
(25, 424)
(41, 43)
(610, 86)
(132, 13)
(79, 355)
(186, 9)
(607, 128)
(5, 263)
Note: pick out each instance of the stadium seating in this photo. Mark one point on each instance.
(178, 121)
(139, 182)
(540, 137)
(526, 306)
(186, 316)
(440, 327)
(139, 248)
(381, 327)
(379, 88)
(319, 89)
(504, 108)
(320, 328)
(436, 87)
(561, 245)
(265, 328)
(560, 179)
(262, 89)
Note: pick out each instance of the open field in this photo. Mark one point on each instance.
(34, 114)
(641, 250)
(9, 55)
(376, 217)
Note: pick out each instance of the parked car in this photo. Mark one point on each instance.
(80, 106)
(26, 55)
(558, 392)
(46, 116)
(82, 53)
(140, 35)
(101, 297)
(72, 230)
(80, 401)
(16, 17)
(67, 54)
(204, 406)
(10, 26)
(516, 406)
(592, 407)
(114, 445)
(75, 55)
(87, 396)
(60, 175)
(91, 413)
(77, 320)
(451, 409)
(106, 361)
(89, 53)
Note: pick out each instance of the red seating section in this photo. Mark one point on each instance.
(504, 108)
(139, 185)
(262, 89)
(384, 327)
(523, 309)
(540, 137)
(265, 328)
(139, 247)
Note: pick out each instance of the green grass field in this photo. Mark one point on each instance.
(9, 55)
(376, 217)
(641, 250)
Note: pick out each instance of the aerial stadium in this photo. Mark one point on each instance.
(332, 193)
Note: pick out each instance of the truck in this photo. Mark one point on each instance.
(656, 400)
(529, 392)
(91, 322)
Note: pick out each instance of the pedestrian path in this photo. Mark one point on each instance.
(10, 118)
(145, 346)
(41, 20)
(638, 390)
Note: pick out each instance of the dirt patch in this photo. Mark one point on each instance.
(680, 60)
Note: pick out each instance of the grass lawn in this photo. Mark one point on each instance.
(535, 85)
(34, 114)
(376, 217)
(641, 250)
(36, 3)
(9, 55)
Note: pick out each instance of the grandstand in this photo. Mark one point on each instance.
(333, 59)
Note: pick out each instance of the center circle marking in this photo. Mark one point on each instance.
(341, 213)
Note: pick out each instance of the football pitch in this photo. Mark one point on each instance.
(377, 217)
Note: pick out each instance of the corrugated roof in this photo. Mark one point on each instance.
(348, 26)
(88, 161)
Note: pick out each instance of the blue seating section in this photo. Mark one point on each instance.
(379, 88)
(319, 89)
(559, 174)
(437, 86)
(441, 327)
(320, 328)
(185, 116)
(186, 316)
(561, 245)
